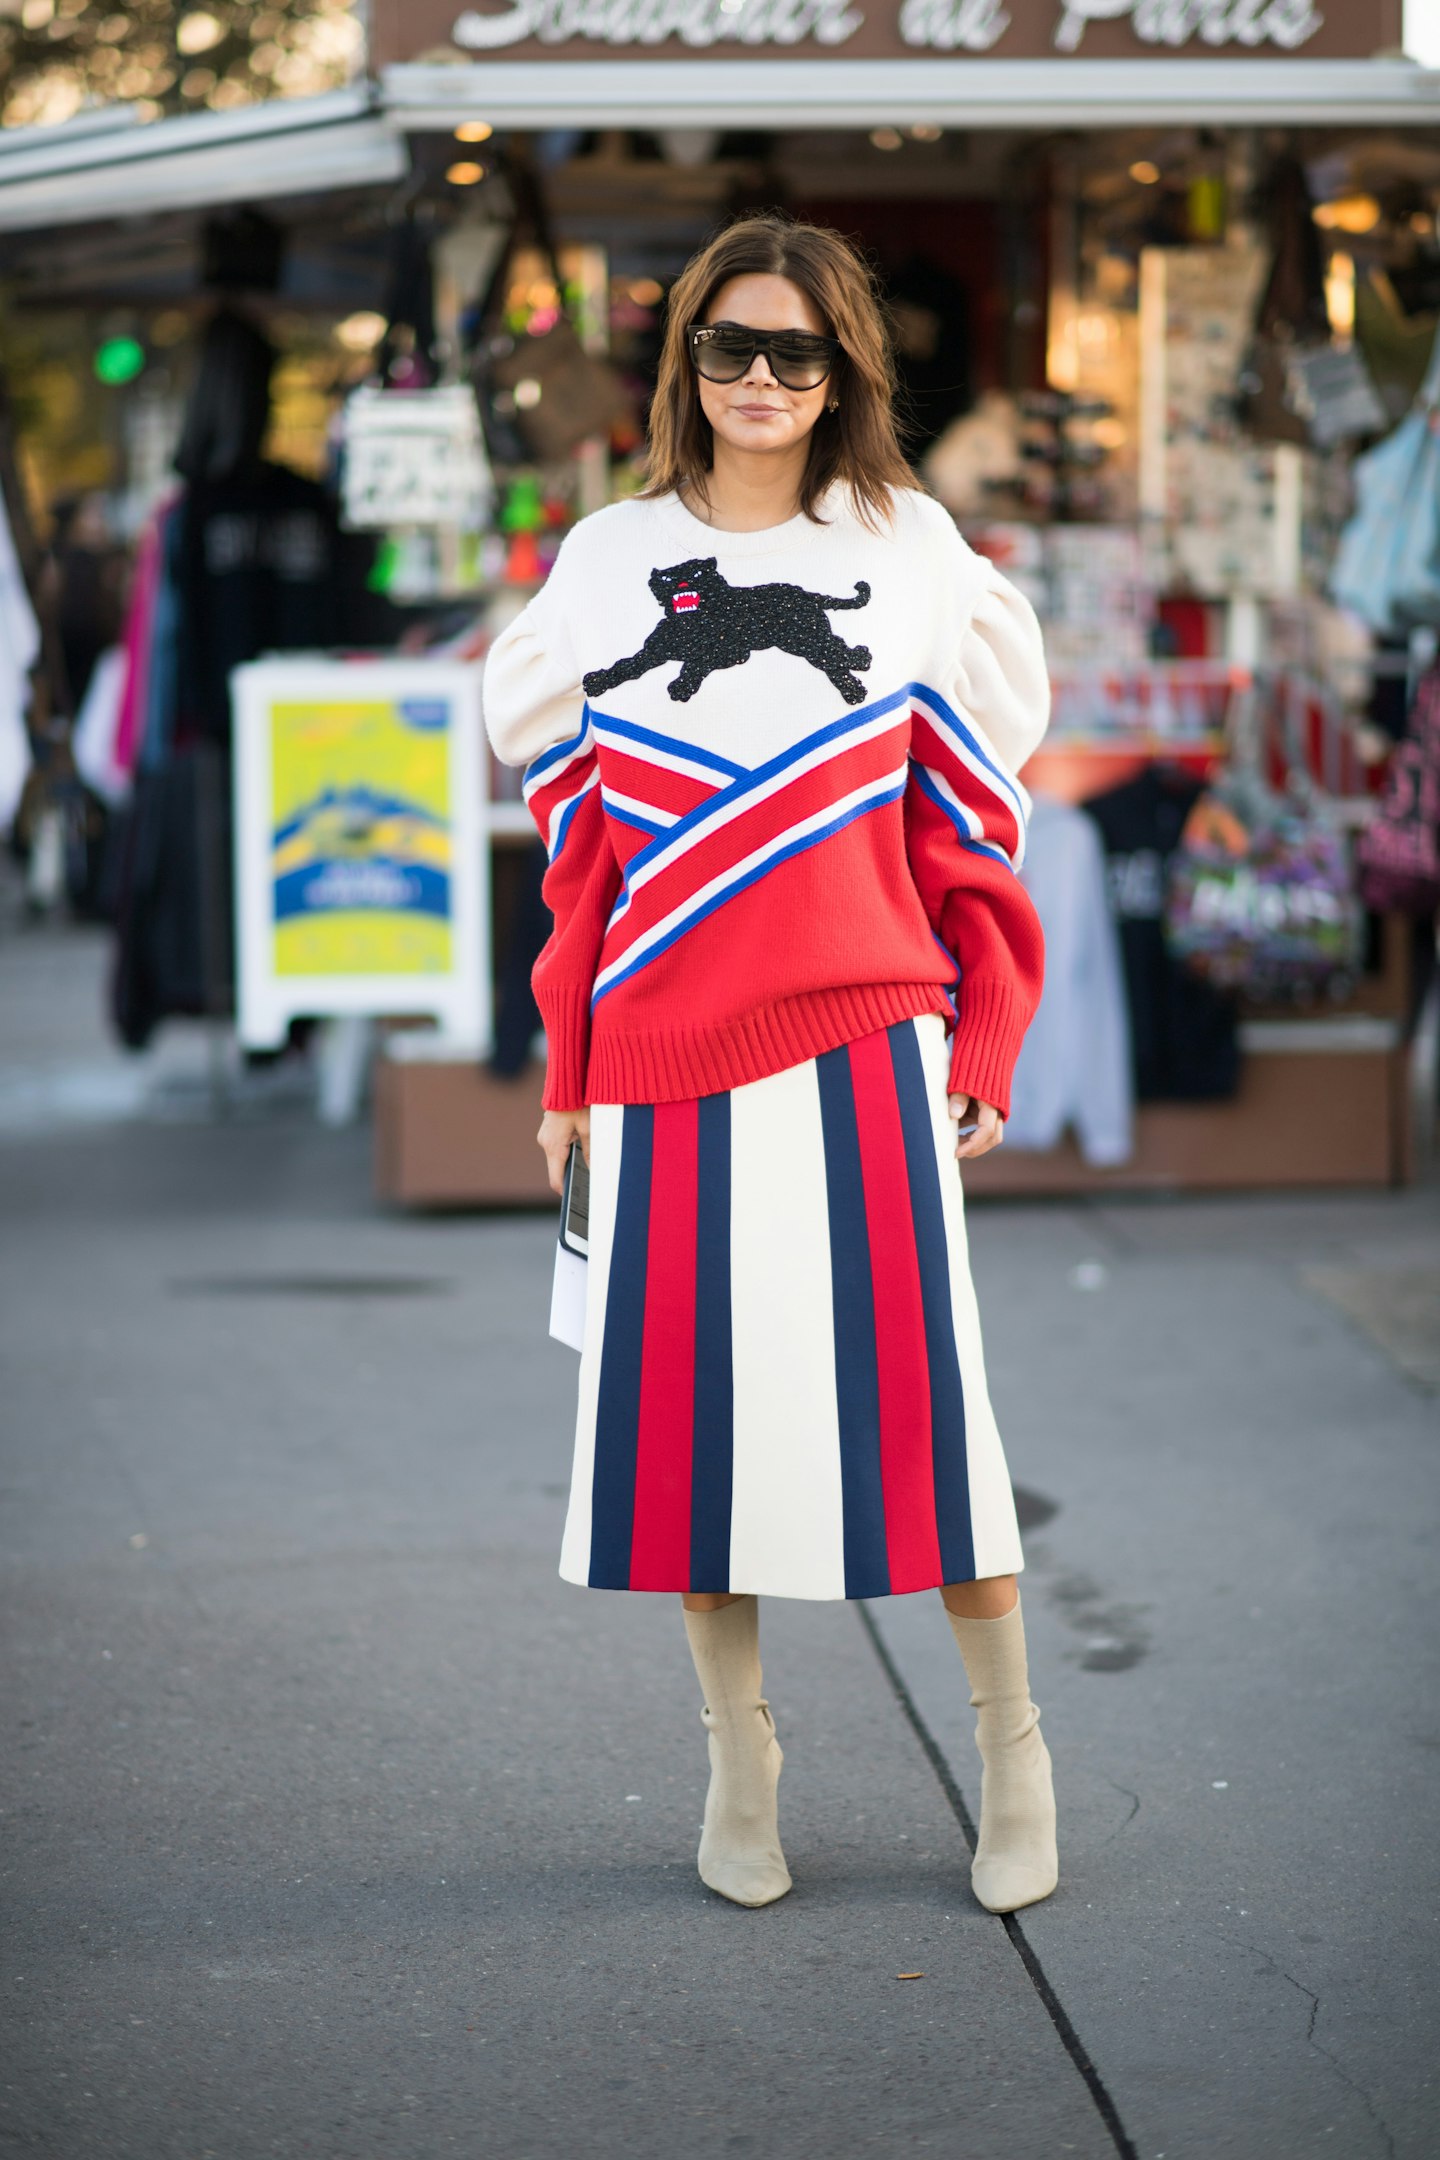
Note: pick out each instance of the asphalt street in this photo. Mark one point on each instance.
(336, 1825)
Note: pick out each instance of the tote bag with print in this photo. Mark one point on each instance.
(1387, 566)
(1399, 852)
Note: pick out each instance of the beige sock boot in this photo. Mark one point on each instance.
(740, 1852)
(1015, 1861)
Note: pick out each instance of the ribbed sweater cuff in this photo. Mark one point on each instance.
(566, 1015)
(987, 1042)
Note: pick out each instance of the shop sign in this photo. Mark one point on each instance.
(943, 25)
(886, 29)
(1288, 24)
(359, 844)
(414, 457)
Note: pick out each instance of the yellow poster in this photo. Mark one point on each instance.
(361, 836)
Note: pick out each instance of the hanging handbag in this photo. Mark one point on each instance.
(560, 394)
(1260, 898)
(539, 390)
(1387, 565)
(1291, 322)
(1399, 851)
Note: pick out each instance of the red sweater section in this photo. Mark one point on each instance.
(854, 878)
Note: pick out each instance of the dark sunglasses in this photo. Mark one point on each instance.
(799, 359)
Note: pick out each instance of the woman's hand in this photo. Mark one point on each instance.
(989, 1126)
(557, 1129)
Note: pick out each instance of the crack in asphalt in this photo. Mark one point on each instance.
(1273, 1965)
(1054, 2009)
(1133, 1798)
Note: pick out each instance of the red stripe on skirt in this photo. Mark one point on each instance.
(660, 1546)
(907, 1471)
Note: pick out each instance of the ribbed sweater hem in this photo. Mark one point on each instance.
(676, 1064)
(673, 1064)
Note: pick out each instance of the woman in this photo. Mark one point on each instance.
(771, 711)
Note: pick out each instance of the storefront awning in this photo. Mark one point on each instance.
(985, 93)
(108, 165)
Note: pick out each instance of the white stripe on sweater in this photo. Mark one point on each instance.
(977, 757)
(560, 810)
(649, 813)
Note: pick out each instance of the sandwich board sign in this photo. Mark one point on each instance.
(361, 872)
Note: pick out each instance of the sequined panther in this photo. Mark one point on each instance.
(709, 624)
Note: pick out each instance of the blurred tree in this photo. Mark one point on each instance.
(58, 56)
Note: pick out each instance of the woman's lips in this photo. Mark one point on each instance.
(759, 412)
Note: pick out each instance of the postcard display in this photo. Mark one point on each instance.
(1236, 518)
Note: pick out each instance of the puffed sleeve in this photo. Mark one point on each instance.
(1001, 678)
(536, 717)
(965, 820)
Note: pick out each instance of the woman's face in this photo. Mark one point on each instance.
(757, 412)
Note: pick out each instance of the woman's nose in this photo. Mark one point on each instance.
(760, 371)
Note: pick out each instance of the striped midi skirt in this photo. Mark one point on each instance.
(782, 1385)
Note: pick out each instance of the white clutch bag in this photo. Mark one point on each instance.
(567, 1298)
(572, 1253)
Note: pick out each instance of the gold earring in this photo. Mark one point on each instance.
(834, 405)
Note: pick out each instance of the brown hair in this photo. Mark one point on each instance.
(858, 444)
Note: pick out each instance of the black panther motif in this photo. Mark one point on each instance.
(709, 624)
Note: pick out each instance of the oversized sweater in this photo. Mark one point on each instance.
(776, 775)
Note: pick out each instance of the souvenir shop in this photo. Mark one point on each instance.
(1145, 336)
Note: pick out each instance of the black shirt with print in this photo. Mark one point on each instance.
(1183, 1033)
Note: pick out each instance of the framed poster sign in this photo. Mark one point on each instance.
(361, 865)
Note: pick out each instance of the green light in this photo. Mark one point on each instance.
(119, 360)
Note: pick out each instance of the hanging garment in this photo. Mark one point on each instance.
(782, 1384)
(261, 569)
(19, 650)
(97, 727)
(517, 1016)
(88, 612)
(137, 638)
(174, 909)
(1074, 1066)
(161, 717)
(1183, 1033)
(930, 314)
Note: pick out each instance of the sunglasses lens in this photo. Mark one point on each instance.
(800, 363)
(724, 355)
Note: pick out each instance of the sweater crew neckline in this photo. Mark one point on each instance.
(768, 540)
